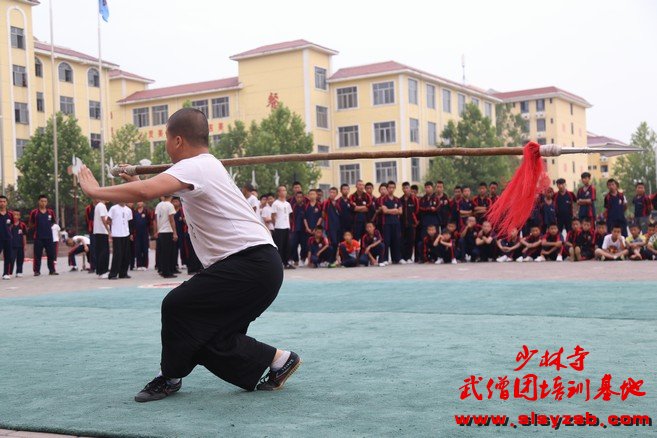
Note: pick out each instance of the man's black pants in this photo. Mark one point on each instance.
(205, 319)
(101, 253)
(282, 240)
(39, 246)
(165, 254)
(17, 258)
(120, 257)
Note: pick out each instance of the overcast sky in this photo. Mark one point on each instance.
(604, 51)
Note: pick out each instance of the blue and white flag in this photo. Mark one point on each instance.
(103, 9)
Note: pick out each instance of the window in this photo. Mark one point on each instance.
(415, 169)
(201, 105)
(604, 168)
(38, 68)
(160, 114)
(431, 96)
(524, 107)
(571, 109)
(140, 117)
(412, 91)
(65, 73)
(320, 78)
(66, 105)
(215, 139)
(384, 93)
(348, 136)
(461, 103)
(21, 114)
(415, 130)
(94, 109)
(220, 107)
(475, 101)
(347, 97)
(40, 102)
(94, 139)
(447, 101)
(540, 125)
(540, 104)
(93, 78)
(349, 173)
(321, 115)
(431, 135)
(386, 171)
(572, 128)
(19, 75)
(20, 147)
(385, 132)
(17, 38)
(488, 110)
(323, 150)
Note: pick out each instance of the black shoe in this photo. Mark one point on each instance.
(157, 389)
(275, 380)
(53, 273)
(36, 274)
(112, 278)
(289, 267)
(170, 276)
(125, 276)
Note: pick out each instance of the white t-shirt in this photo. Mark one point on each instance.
(608, 242)
(120, 215)
(265, 213)
(254, 203)
(81, 240)
(100, 212)
(162, 212)
(221, 222)
(55, 232)
(282, 210)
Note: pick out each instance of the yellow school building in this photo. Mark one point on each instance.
(374, 107)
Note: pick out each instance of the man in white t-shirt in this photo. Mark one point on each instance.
(78, 244)
(613, 246)
(265, 213)
(205, 319)
(247, 191)
(166, 235)
(281, 210)
(119, 216)
(101, 239)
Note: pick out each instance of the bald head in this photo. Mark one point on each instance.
(190, 124)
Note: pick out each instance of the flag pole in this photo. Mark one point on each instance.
(102, 112)
(54, 112)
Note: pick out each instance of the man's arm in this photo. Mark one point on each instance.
(172, 222)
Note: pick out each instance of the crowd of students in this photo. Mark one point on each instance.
(345, 228)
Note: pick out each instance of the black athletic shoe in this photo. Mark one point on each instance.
(275, 380)
(157, 389)
(170, 276)
(53, 273)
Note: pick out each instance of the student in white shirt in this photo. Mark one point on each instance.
(247, 191)
(119, 216)
(205, 319)
(281, 210)
(78, 245)
(265, 213)
(101, 239)
(613, 246)
(166, 236)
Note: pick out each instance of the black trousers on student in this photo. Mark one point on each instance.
(120, 257)
(141, 249)
(72, 253)
(17, 258)
(282, 239)
(166, 252)
(408, 242)
(101, 253)
(39, 246)
(205, 319)
(91, 255)
(5, 247)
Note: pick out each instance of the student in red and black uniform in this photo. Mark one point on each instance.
(531, 244)
(361, 203)
(481, 203)
(319, 248)
(371, 247)
(615, 206)
(409, 221)
(297, 228)
(331, 212)
(484, 249)
(467, 241)
(41, 220)
(445, 247)
(18, 243)
(552, 245)
(377, 219)
(565, 201)
(391, 210)
(492, 192)
(313, 215)
(428, 216)
(642, 206)
(586, 198)
(430, 245)
(585, 240)
(465, 207)
(600, 233)
(444, 205)
(570, 244)
(6, 224)
(143, 220)
(548, 209)
(346, 212)
(348, 251)
(510, 247)
(296, 188)
(179, 220)
(458, 196)
(369, 189)
(536, 216)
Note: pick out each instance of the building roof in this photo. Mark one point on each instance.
(121, 74)
(537, 93)
(183, 90)
(594, 141)
(394, 67)
(286, 46)
(44, 48)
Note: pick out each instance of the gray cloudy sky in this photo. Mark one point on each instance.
(601, 50)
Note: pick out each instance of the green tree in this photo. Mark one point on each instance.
(128, 145)
(472, 131)
(36, 166)
(509, 126)
(639, 166)
(282, 132)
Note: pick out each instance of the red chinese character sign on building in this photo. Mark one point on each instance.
(272, 100)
